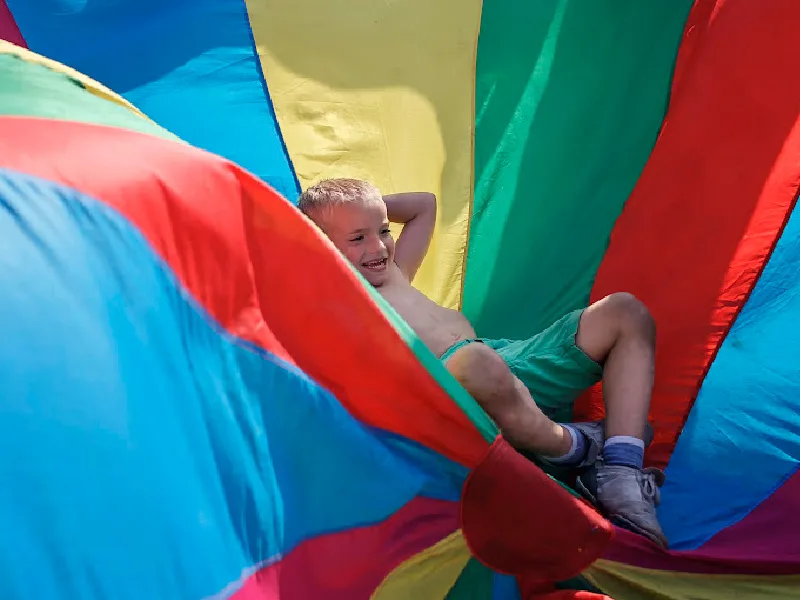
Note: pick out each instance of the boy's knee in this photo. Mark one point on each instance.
(477, 366)
(484, 374)
(631, 314)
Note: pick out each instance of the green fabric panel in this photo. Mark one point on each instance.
(578, 583)
(570, 96)
(476, 582)
(32, 90)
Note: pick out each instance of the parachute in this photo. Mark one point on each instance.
(201, 399)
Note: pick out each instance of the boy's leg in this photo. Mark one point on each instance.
(569, 357)
(619, 333)
(486, 376)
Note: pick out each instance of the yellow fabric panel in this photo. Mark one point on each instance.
(428, 575)
(624, 582)
(381, 90)
(89, 84)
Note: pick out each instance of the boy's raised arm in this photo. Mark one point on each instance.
(417, 211)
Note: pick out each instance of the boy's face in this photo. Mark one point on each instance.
(361, 232)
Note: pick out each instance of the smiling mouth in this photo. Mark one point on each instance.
(376, 265)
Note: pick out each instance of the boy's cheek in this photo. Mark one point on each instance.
(353, 259)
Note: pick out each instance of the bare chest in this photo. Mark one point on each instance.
(437, 327)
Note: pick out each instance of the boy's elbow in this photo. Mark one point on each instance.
(429, 201)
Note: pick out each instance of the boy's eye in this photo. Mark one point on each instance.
(358, 238)
(385, 231)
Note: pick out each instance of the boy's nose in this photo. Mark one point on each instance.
(377, 245)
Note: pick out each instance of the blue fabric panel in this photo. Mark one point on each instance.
(144, 452)
(443, 478)
(742, 438)
(190, 65)
(505, 587)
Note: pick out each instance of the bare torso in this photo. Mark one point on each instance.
(437, 327)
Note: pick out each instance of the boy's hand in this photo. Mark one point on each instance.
(417, 210)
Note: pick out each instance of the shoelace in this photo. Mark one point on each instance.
(650, 479)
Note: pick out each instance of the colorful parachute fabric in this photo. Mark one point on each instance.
(577, 149)
(182, 419)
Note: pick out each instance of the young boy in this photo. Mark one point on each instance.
(613, 339)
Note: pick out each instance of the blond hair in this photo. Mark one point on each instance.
(317, 200)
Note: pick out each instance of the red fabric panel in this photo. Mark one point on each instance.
(372, 553)
(537, 593)
(517, 520)
(8, 26)
(255, 264)
(713, 198)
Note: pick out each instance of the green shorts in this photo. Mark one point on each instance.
(550, 365)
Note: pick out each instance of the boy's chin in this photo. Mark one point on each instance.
(376, 279)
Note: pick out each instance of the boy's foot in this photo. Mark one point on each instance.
(627, 496)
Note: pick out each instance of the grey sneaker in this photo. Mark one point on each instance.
(596, 434)
(627, 496)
